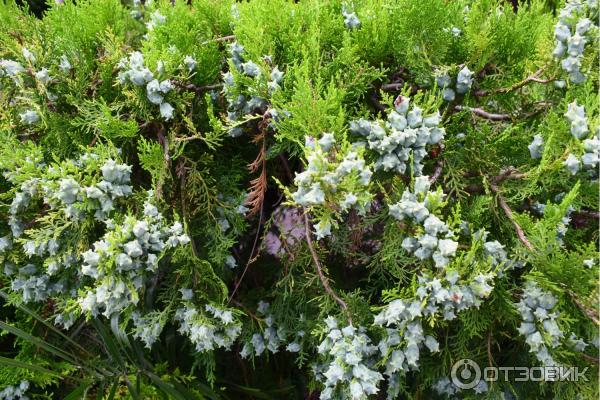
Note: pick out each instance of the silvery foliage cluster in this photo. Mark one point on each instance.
(536, 147)
(137, 12)
(539, 325)
(464, 81)
(15, 71)
(232, 211)
(65, 193)
(122, 259)
(208, 329)
(332, 176)
(272, 338)
(350, 18)
(563, 225)
(137, 9)
(134, 71)
(156, 18)
(445, 387)
(405, 134)
(16, 392)
(572, 32)
(496, 252)
(242, 104)
(403, 319)
(147, 328)
(103, 279)
(434, 239)
(347, 369)
(580, 130)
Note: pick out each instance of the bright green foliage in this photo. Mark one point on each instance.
(274, 199)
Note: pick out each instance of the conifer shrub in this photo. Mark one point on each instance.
(272, 199)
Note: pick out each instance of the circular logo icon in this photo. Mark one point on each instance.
(465, 374)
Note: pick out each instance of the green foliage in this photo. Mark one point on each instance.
(209, 123)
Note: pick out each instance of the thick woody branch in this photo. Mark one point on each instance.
(317, 263)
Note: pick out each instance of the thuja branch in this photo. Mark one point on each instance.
(317, 263)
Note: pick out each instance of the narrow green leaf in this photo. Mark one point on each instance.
(167, 388)
(110, 344)
(9, 362)
(39, 342)
(113, 390)
(39, 318)
(78, 393)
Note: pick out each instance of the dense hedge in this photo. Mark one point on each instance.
(281, 200)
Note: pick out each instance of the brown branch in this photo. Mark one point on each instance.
(590, 358)
(286, 167)
(591, 314)
(392, 87)
(198, 89)
(533, 78)
(585, 215)
(247, 311)
(437, 172)
(489, 350)
(160, 134)
(251, 258)
(509, 215)
(228, 38)
(508, 173)
(376, 103)
(480, 112)
(322, 276)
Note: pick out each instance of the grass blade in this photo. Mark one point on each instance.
(39, 342)
(77, 394)
(9, 362)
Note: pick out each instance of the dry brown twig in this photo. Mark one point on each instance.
(258, 185)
